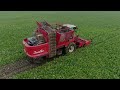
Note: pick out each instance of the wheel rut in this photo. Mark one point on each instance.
(7, 71)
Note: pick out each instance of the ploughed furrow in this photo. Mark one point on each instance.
(8, 70)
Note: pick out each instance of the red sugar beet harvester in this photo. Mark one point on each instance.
(52, 40)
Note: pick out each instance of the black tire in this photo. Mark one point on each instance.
(71, 48)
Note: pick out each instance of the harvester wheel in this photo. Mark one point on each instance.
(71, 48)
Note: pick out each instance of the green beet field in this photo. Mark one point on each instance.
(99, 60)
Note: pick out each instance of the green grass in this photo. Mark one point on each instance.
(99, 60)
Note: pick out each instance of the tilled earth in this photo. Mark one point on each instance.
(7, 71)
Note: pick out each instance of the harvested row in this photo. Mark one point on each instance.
(8, 70)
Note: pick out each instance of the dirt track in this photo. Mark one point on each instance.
(8, 70)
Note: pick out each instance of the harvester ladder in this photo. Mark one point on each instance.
(52, 41)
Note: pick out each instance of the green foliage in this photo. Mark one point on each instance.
(99, 60)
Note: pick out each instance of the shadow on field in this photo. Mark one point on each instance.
(45, 60)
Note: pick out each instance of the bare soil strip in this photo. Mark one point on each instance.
(8, 70)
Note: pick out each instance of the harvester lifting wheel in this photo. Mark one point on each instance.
(71, 48)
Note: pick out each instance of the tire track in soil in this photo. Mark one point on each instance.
(7, 71)
(104, 41)
(107, 38)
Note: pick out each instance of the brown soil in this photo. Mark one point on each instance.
(7, 71)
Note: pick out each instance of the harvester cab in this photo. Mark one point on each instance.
(71, 26)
